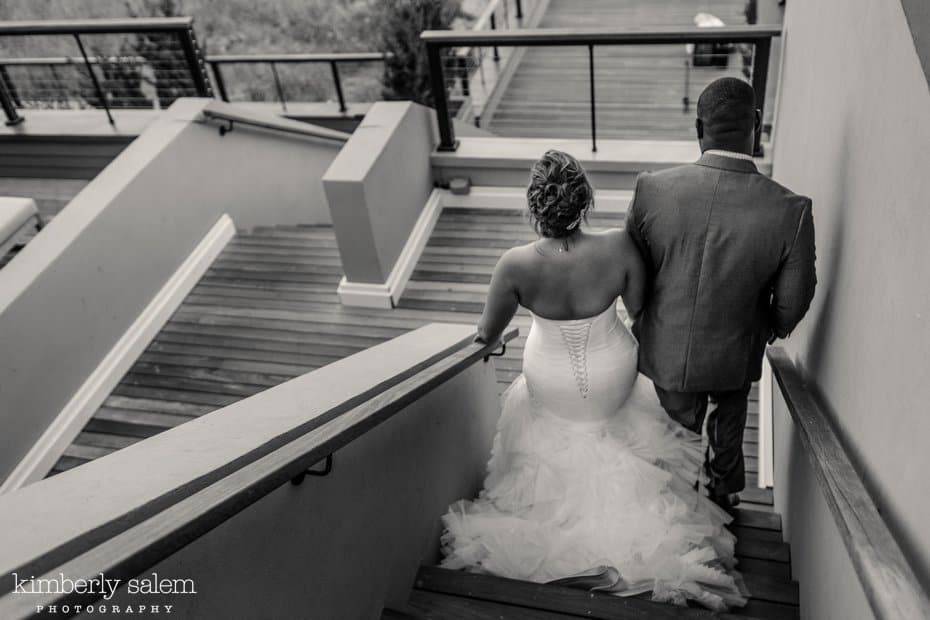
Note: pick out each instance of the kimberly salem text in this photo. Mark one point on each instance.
(101, 586)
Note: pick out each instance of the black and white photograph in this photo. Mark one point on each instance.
(465, 309)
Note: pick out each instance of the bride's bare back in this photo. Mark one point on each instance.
(558, 283)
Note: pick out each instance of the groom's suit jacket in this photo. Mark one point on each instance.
(730, 258)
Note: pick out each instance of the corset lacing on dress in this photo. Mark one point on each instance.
(576, 342)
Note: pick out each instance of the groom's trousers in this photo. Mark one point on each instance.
(725, 426)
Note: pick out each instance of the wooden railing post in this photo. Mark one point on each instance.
(447, 141)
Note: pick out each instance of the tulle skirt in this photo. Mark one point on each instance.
(609, 503)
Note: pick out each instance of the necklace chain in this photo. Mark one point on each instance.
(564, 246)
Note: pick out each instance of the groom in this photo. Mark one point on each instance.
(730, 256)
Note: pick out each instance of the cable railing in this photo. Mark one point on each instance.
(650, 73)
(463, 64)
(272, 61)
(107, 63)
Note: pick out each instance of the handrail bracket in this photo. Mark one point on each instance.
(325, 471)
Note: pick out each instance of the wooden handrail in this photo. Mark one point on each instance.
(216, 111)
(598, 36)
(299, 58)
(65, 60)
(126, 547)
(887, 579)
(95, 26)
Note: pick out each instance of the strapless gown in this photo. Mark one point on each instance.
(589, 481)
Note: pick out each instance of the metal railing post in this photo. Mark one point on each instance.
(463, 76)
(593, 107)
(93, 77)
(194, 60)
(497, 55)
(9, 108)
(519, 9)
(760, 76)
(11, 88)
(447, 141)
(686, 100)
(338, 82)
(278, 87)
(220, 82)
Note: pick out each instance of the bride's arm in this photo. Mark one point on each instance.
(634, 278)
(502, 301)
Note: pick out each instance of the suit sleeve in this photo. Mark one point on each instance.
(796, 280)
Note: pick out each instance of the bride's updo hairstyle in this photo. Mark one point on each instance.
(559, 195)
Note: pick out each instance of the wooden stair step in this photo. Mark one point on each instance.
(136, 403)
(241, 353)
(269, 340)
(435, 606)
(132, 424)
(520, 595)
(215, 375)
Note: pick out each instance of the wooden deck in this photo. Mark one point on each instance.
(639, 90)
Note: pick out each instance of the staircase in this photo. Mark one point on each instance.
(639, 89)
(266, 312)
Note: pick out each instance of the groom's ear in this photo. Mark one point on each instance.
(699, 126)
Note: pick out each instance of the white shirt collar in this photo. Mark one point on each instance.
(733, 154)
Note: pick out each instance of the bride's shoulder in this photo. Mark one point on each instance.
(618, 245)
(516, 257)
(613, 238)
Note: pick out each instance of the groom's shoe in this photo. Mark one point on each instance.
(727, 501)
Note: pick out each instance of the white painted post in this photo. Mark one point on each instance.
(766, 428)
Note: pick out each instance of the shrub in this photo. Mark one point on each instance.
(406, 75)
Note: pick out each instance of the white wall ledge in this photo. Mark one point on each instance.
(611, 155)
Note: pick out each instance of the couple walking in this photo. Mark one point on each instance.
(598, 476)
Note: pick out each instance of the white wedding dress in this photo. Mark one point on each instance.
(589, 477)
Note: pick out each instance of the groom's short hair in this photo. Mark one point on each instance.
(727, 107)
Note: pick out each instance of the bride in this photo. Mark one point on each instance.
(589, 484)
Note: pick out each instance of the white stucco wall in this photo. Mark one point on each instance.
(853, 132)
(75, 289)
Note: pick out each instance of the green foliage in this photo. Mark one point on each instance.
(406, 75)
(161, 50)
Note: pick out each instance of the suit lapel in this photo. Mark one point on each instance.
(712, 160)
